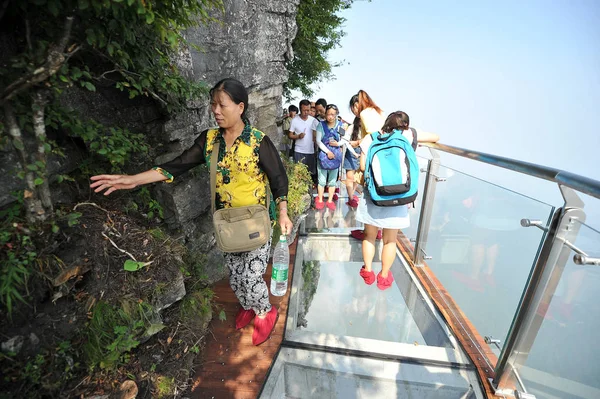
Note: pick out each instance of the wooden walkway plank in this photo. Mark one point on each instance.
(231, 366)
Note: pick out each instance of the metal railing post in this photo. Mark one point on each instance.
(544, 279)
(426, 207)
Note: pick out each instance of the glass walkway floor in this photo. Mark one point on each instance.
(345, 339)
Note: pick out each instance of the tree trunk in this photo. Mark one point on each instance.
(34, 209)
(39, 127)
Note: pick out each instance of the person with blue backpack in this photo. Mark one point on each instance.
(329, 132)
(391, 173)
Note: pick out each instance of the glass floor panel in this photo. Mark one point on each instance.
(346, 339)
(331, 306)
(308, 374)
(342, 304)
(325, 221)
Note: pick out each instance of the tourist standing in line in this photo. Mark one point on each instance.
(389, 218)
(328, 136)
(320, 106)
(287, 122)
(313, 109)
(370, 118)
(351, 162)
(248, 160)
(302, 132)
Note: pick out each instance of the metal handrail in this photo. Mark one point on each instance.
(582, 184)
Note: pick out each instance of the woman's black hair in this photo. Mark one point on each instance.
(396, 121)
(235, 90)
(330, 106)
(356, 123)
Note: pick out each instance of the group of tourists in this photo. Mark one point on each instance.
(330, 148)
(246, 160)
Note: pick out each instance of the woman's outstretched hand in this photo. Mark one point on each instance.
(112, 183)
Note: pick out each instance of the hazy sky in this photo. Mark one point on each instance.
(518, 79)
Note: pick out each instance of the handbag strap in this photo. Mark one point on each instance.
(214, 159)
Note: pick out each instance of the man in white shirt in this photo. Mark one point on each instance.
(302, 131)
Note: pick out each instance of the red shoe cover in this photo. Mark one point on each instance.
(319, 204)
(384, 283)
(358, 234)
(263, 327)
(369, 277)
(243, 318)
(331, 205)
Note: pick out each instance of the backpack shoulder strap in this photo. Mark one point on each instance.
(415, 142)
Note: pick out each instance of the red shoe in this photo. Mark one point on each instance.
(319, 204)
(243, 318)
(263, 327)
(355, 198)
(331, 205)
(337, 190)
(352, 203)
(384, 283)
(358, 234)
(369, 277)
(335, 197)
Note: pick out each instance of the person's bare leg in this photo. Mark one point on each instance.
(350, 183)
(330, 191)
(368, 246)
(389, 250)
(320, 191)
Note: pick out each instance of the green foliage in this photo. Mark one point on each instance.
(319, 30)
(113, 332)
(130, 44)
(197, 304)
(133, 266)
(165, 387)
(149, 205)
(299, 183)
(17, 255)
(48, 371)
(109, 144)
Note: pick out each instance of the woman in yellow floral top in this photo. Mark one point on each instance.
(247, 159)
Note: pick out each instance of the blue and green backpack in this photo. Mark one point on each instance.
(392, 170)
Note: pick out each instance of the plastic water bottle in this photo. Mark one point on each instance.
(281, 264)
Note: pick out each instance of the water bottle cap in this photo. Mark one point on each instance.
(283, 237)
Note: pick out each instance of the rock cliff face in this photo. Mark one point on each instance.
(250, 43)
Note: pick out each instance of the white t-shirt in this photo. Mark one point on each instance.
(298, 126)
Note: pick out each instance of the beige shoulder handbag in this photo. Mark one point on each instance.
(240, 229)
